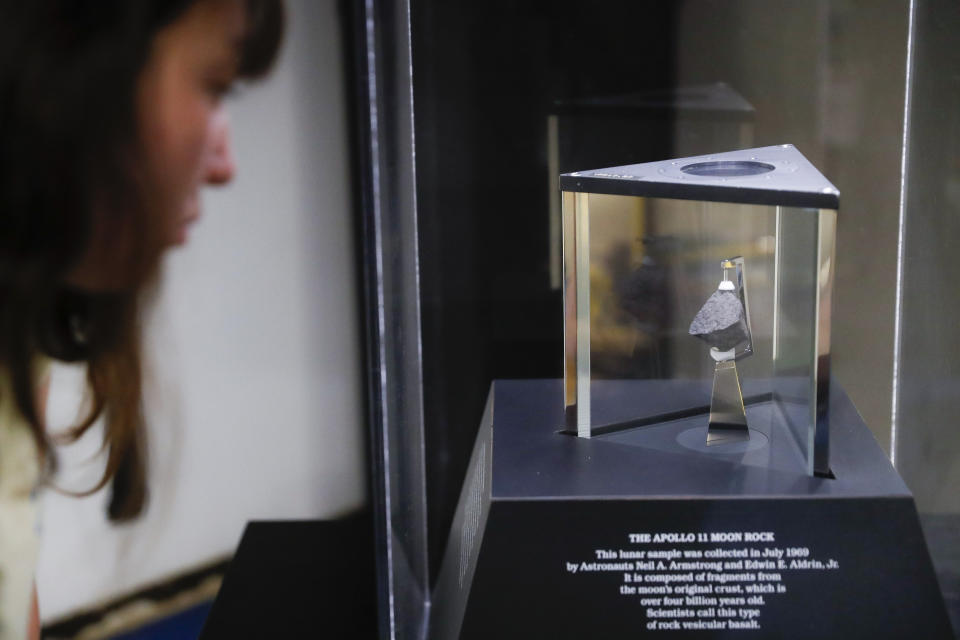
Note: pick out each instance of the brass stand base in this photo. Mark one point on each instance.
(728, 420)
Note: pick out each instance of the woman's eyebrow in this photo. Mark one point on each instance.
(231, 52)
(237, 46)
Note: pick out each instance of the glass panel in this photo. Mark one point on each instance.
(795, 325)
(926, 441)
(636, 375)
(391, 296)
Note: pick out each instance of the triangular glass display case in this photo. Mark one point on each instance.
(697, 306)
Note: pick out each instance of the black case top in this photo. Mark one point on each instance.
(778, 176)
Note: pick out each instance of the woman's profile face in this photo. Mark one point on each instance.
(183, 125)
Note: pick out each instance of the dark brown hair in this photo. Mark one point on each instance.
(68, 151)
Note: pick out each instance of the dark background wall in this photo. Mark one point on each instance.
(486, 76)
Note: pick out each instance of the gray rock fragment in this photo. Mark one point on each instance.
(721, 321)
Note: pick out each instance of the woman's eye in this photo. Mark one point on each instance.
(220, 90)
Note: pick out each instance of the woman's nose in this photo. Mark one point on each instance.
(220, 166)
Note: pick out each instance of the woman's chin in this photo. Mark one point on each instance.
(181, 235)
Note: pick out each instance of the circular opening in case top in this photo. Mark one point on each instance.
(727, 168)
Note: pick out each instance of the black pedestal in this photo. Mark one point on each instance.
(560, 537)
(299, 579)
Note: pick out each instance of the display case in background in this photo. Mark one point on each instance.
(639, 127)
(643, 249)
